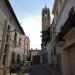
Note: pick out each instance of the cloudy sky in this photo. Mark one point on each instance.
(28, 13)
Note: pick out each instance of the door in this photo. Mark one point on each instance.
(72, 59)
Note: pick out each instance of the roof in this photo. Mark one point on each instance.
(14, 16)
(45, 8)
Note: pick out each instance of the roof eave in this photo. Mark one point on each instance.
(13, 14)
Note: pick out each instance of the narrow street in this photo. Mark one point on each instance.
(36, 70)
(37, 37)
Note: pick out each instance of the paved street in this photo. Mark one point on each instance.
(43, 69)
(37, 70)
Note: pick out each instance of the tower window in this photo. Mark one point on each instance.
(45, 12)
(45, 15)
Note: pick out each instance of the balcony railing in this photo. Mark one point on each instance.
(69, 24)
(59, 37)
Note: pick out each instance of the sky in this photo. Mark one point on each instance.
(28, 13)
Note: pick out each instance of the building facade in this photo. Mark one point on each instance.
(35, 53)
(63, 39)
(11, 33)
(26, 47)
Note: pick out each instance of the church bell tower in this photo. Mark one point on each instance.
(45, 18)
(45, 25)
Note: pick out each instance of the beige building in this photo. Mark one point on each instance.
(25, 47)
(63, 36)
(11, 33)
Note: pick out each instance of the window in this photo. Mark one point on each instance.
(45, 15)
(18, 58)
(19, 41)
(54, 50)
(4, 60)
(13, 57)
(8, 28)
(45, 11)
(15, 37)
(6, 48)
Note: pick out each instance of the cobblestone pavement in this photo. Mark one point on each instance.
(36, 70)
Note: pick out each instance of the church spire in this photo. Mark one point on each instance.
(45, 6)
(45, 18)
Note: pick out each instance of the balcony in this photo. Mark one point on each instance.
(67, 31)
(69, 25)
(59, 37)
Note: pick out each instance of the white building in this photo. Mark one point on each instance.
(35, 53)
(10, 34)
(63, 39)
